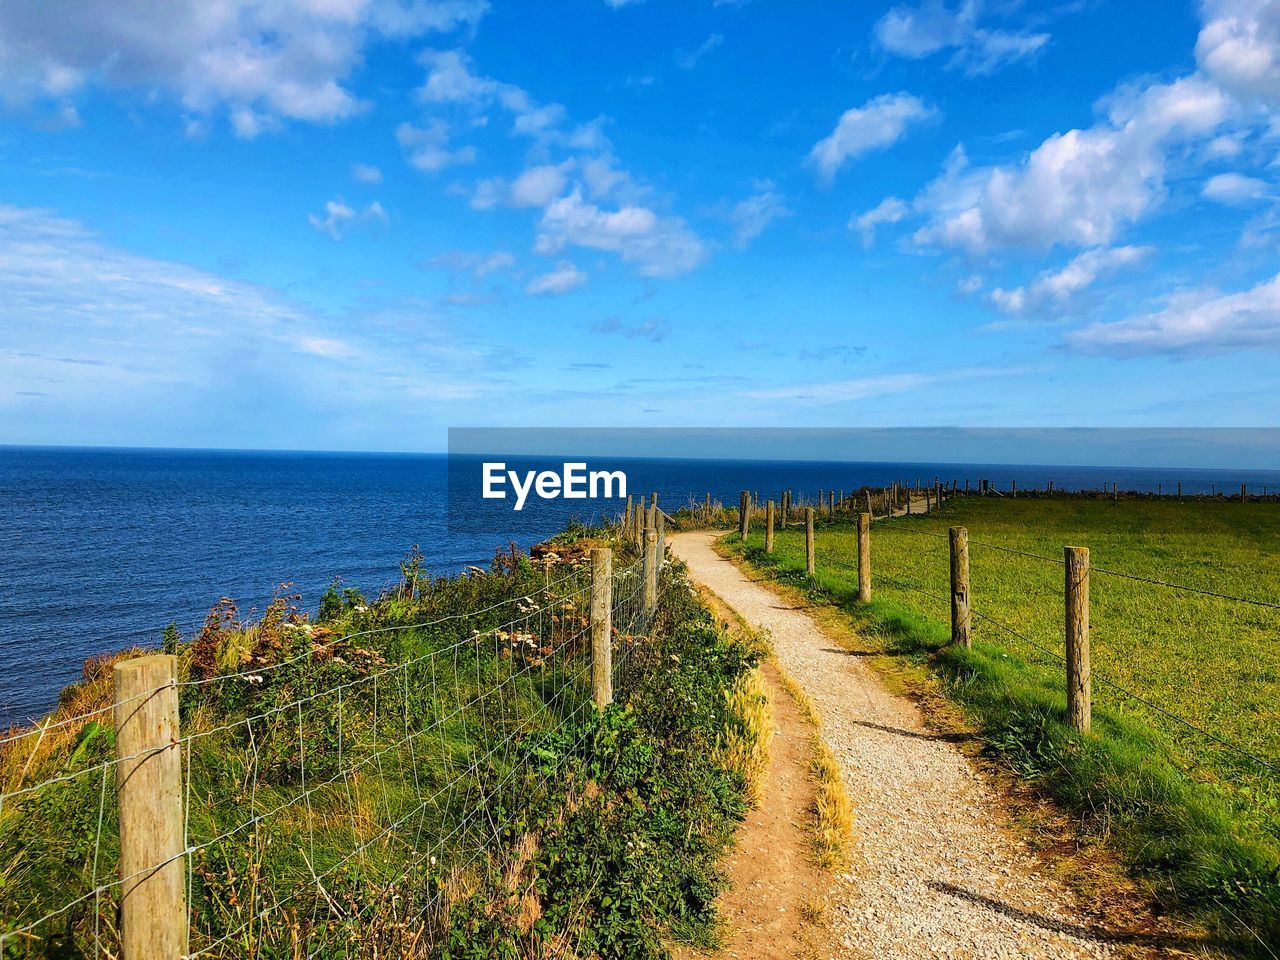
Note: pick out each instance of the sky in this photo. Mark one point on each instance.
(353, 224)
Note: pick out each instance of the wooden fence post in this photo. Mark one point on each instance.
(153, 907)
(650, 564)
(1079, 683)
(602, 626)
(768, 527)
(1013, 489)
(808, 540)
(744, 514)
(960, 616)
(626, 517)
(660, 520)
(864, 557)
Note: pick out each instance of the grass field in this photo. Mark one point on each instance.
(1202, 817)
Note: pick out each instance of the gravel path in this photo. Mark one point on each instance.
(937, 874)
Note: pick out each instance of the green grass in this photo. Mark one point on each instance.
(423, 792)
(1200, 819)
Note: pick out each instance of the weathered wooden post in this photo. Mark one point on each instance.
(768, 527)
(869, 510)
(660, 519)
(650, 564)
(960, 616)
(1179, 491)
(626, 517)
(708, 508)
(1079, 684)
(908, 502)
(864, 557)
(786, 506)
(808, 540)
(744, 514)
(153, 907)
(602, 626)
(1244, 492)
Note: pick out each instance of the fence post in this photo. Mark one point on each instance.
(768, 527)
(660, 519)
(744, 514)
(808, 540)
(864, 556)
(1079, 684)
(602, 626)
(650, 564)
(960, 617)
(153, 908)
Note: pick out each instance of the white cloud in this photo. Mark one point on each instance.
(687, 61)
(888, 210)
(1235, 189)
(654, 330)
(262, 62)
(861, 388)
(1077, 188)
(1194, 322)
(875, 125)
(338, 216)
(562, 279)
(478, 264)
(926, 28)
(1053, 289)
(365, 173)
(428, 147)
(749, 217)
(129, 348)
(658, 246)
(538, 186)
(586, 199)
(451, 79)
(1239, 47)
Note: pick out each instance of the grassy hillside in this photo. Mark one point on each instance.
(365, 786)
(1157, 777)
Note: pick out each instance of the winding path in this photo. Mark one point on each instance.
(937, 873)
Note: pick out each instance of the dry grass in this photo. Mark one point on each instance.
(832, 817)
(745, 746)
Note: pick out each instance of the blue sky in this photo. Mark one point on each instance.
(351, 224)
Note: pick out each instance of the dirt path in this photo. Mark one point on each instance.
(775, 892)
(938, 873)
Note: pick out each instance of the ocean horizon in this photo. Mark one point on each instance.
(104, 546)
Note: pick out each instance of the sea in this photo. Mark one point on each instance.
(101, 548)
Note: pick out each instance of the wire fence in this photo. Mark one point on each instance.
(1034, 592)
(335, 800)
(1019, 594)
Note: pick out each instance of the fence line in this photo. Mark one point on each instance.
(895, 579)
(412, 770)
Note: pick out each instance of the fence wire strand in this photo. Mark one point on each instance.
(441, 756)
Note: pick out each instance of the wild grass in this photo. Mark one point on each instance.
(744, 746)
(363, 787)
(1197, 818)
